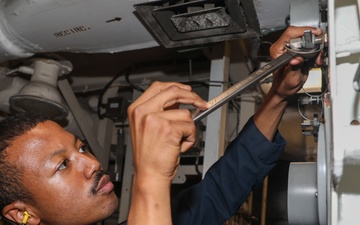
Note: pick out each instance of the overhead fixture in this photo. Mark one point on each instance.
(9, 86)
(41, 93)
(201, 22)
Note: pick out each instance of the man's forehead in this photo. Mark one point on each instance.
(36, 145)
(42, 132)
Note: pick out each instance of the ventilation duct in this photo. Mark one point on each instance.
(188, 23)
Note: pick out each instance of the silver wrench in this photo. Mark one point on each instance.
(261, 73)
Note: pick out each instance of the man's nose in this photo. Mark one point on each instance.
(90, 165)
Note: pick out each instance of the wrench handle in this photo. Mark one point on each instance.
(240, 86)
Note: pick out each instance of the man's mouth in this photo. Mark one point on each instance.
(105, 186)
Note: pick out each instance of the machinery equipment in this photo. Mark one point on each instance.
(324, 191)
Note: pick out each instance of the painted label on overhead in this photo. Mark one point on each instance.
(71, 31)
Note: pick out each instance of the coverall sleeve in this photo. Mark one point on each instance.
(226, 185)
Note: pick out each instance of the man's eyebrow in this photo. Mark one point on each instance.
(57, 152)
(61, 151)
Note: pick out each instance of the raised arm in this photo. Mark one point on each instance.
(249, 157)
(159, 133)
(286, 82)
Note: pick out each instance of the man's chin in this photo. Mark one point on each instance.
(109, 206)
(114, 202)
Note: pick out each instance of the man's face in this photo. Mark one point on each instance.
(62, 176)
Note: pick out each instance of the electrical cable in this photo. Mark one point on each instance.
(311, 96)
(107, 86)
(131, 84)
(321, 109)
(11, 72)
(197, 165)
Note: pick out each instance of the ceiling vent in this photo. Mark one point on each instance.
(200, 22)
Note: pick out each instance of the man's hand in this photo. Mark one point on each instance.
(289, 80)
(159, 130)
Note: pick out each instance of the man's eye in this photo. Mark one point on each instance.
(83, 148)
(63, 165)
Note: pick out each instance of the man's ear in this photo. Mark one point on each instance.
(16, 211)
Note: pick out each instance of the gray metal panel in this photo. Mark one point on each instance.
(214, 140)
(272, 13)
(73, 26)
(302, 190)
(305, 13)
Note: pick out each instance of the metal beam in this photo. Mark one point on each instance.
(216, 121)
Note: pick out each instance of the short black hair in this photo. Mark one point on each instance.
(11, 127)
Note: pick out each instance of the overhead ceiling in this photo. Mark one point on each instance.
(111, 26)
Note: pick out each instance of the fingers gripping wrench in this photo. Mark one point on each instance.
(307, 47)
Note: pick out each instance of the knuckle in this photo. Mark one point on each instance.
(136, 111)
(130, 108)
(156, 84)
(174, 89)
(187, 113)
